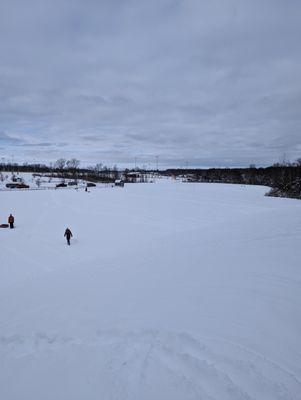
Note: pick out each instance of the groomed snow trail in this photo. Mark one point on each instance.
(168, 291)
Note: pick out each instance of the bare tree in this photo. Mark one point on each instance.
(115, 172)
(73, 165)
(98, 167)
(60, 164)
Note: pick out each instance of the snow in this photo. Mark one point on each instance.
(168, 291)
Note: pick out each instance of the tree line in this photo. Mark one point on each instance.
(65, 169)
(284, 180)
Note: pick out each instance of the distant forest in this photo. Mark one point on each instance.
(284, 180)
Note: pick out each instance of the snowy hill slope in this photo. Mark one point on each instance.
(168, 291)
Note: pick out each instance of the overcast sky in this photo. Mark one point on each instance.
(197, 83)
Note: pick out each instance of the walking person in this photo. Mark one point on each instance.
(11, 221)
(68, 235)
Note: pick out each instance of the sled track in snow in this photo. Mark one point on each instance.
(201, 369)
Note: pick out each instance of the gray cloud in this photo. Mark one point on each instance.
(6, 139)
(203, 83)
(41, 144)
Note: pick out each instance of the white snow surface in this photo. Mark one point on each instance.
(168, 291)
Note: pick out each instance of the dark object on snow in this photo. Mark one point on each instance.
(4, 226)
(17, 186)
(68, 235)
(119, 182)
(72, 183)
(61, 185)
(11, 221)
(90, 184)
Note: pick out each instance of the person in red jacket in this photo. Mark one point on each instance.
(68, 235)
(11, 221)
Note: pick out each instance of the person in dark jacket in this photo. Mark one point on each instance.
(11, 221)
(68, 235)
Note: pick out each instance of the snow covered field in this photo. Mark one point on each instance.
(168, 291)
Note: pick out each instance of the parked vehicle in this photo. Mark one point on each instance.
(119, 182)
(17, 186)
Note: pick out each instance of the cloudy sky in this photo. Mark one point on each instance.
(194, 82)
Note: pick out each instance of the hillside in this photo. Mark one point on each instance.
(168, 291)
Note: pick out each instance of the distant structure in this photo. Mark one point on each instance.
(119, 182)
